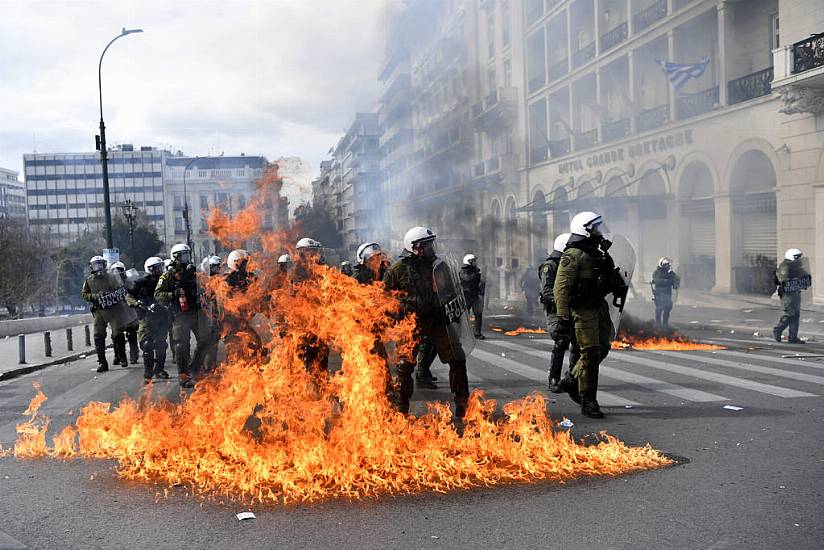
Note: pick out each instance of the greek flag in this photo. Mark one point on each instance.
(679, 73)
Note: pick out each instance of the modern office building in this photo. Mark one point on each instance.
(12, 195)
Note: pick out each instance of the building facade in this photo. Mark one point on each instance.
(12, 195)
(197, 185)
(64, 191)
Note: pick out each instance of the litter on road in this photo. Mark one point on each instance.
(566, 423)
(733, 408)
(245, 515)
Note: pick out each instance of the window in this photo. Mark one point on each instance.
(537, 131)
(508, 73)
(775, 42)
(204, 202)
(534, 10)
(490, 79)
(535, 61)
(202, 173)
(490, 34)
(178, 224)
(178, 201)
(505, 24)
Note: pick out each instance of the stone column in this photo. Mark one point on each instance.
(673, 108)
(723, 244)
(725, 46)
(818, 261)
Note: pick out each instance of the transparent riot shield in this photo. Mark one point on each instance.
(132, 278)
(453, 307)
(623, 255)
(112, 301)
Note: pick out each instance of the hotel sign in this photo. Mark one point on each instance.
(629, 151)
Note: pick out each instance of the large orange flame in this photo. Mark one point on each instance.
(677, 342)
(267, 428)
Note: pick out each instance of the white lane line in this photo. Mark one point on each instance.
(490, 388)
(604, 398)
(632, 357)
(811, 364)
(644, 381)
(744, 366)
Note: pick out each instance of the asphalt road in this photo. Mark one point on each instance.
(754, 477)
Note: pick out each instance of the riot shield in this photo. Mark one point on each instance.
(795, 276)
(132, 277)
(112, 300)
(623, 255)
(453, 307)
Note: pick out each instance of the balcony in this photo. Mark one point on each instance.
(498, 169)
(559, 69)
(538, 153)
(808, 54)
(649, 16)
(560, 147)
(799, 75)
(691, 105)
(586, 140)
(614, 37)
(498, 110)
(754, 85)
(652, 118)
(612, 131)
(584, 55)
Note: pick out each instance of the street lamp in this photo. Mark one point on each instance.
(186, 205)
(101, 140)
(130, 213)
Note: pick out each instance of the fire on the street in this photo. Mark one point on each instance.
(661, 343)
(524, 330)
(268, 428)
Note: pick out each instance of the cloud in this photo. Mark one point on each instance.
(254, 76)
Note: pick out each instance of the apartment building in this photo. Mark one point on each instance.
(12, 195)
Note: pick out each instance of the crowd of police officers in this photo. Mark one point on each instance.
(168, 300)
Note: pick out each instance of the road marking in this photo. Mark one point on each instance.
(632, 357)
(7, 542)
(604, 398)
(488, 387)
(811, 364)
(747, 367)
(651, 383)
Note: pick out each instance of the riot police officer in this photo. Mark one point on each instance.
(97, 265)
(154, 320)
(586, 274)
(664, 281)
(210, 317)
(372, 264)
(238, 323)
(346, 268)
(561, 334)
(315, 353)
(474, 286)
(130, 333)
(412, 275)
(791, 278)
(177, 289)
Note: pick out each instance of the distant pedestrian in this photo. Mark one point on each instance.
(474, 287)
(791, 277)
(664, 282)
(530, 286)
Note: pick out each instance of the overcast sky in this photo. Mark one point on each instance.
(278, 78)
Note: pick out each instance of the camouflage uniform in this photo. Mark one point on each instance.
(153, 326)
(563, 338)
(413, 276)
(790, 300)
(176, 280)
(585, 276)
(99, 322)
(235, 325)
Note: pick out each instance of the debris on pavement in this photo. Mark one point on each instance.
(245, 515)
(566, 423)
(733, 408)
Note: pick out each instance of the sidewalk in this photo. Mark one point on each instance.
(36, 359)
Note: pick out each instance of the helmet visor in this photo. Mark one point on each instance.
(370, 251)
(183, 257)
(98, 265)
(427, 248)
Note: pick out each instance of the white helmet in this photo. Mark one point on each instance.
(417, 235)
(366, 251)
(792, 254)
(118, 266)
(583, 223)
(664, 262)
(97, 264)
(561, 242)
(166, 263)
(470, 259)
(153, 265)
(306, 242)
(237, 258)
(214, 265)
(181, 253)
(285, 259)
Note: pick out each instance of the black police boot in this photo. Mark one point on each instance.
(776, 334)
(148, 367)
(590, 408)
(134, 351)
(555, 385)
(424, 379)
(405, 387)
(570, 386)
(160, 371)
(100, 349)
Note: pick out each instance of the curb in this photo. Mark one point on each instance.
(28, 369)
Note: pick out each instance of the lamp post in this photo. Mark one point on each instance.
(101, 140)
(130, 213)
(186, 204)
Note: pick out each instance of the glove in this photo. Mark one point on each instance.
(780, 291)
(562, 329)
